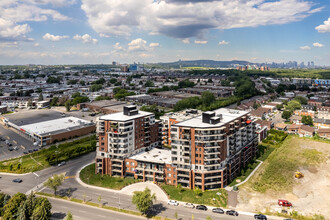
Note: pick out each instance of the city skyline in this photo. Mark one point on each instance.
(95, 32)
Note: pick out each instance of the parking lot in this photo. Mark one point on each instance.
(15, 140)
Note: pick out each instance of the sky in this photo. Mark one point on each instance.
(150, 31)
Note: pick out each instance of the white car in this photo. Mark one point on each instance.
(173, 202)
(189, 205)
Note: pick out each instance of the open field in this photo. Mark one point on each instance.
(275, 179)
(87, 175)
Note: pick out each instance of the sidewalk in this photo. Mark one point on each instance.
(128, 190)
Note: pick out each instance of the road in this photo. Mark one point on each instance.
(73, 189)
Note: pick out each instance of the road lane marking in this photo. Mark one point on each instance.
(35, 174)
(70, 177)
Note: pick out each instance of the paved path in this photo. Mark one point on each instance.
(251, 174)
(160, 194)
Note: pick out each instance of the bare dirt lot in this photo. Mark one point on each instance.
(310, 195)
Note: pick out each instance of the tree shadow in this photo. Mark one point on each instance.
(66, 192)
(58, 215)
(156, 209)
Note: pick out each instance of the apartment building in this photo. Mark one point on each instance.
(122, 135)
(172, 118)
(208, 150)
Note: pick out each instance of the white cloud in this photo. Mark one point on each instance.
(51, 37)
(184, 19)
(36, 45)
(316, 44)
(10, 30)
(25, 12)
(154, 45)
(325, 27)
(305, 48)
(137, 45)
(186, 41)
(86, 39)
(200, 41)
(8, 44)
(117, 47)
(56, 3)
(223, 42)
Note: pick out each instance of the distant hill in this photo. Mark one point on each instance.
(203, 63)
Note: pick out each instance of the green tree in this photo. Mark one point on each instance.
(4, 198)
(208, 218)
(143, 200)
(69, 216)
(307, 120)
(54, 101)
(29, 104)
(41, 97)
(54, 182)
(149, 84)
(38, 90)
(82, 82)
(207, 98)
(102, 97)
(67, 106)
(286, 115)
(293, 105)
(26, 210)
(113, 80)
(42, 209)
(279, 106)
(198, 191)
(301, 100)
(96, 87)
(12, 206)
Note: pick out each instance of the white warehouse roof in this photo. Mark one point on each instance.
(55, 126)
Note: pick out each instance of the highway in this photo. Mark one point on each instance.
(72, 188)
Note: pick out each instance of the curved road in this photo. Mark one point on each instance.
(73, 189)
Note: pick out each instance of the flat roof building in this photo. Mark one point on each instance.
(49, 131)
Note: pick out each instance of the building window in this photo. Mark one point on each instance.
(168, 169)
(102, 154)
(168, 181)
(132, 163)
(127, 163)
(168, 175)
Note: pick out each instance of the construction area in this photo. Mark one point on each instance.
(297, 171)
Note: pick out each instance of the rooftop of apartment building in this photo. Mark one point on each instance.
(124, 116)
(182, 115)
(154, 155)
(218, 117)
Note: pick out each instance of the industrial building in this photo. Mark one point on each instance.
(47, 128)
(208, 150)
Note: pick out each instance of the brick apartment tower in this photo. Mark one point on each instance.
(121, 135)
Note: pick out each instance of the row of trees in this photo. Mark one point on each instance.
(24, 207)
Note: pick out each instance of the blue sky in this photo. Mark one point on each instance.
(102, 31)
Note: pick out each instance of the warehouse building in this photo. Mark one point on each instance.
(45, 128)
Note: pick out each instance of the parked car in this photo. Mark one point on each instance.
(232, 212)
(218, 210)
(2, 139)
(17, 180)
(260, 216)
(10, 148)
(173, 202)
(30, 151)
(62, 163)
(285, 203)
(15, 148)
(10, 144)
(189, 205)
(35, 149)
(25, 152)
(201, 207)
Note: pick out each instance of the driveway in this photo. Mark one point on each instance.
(160, 194)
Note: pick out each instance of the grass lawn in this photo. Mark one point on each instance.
(87, 175)
(207, 198)
(279, 168)
(46, 157)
